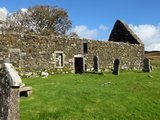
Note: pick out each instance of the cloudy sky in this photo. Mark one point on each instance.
(94, 19)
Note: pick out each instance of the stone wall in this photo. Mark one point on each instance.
(38, 53)
(9, 93)
(130, 55)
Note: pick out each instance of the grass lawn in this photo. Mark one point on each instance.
(129, 96)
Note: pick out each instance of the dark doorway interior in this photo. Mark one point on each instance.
(78, 65)
(95, 66)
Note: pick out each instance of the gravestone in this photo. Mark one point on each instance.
(95, 61)
(10, 83)
(116, 67)
(146, 65)
(151, 67)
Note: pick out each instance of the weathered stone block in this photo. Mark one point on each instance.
(9, 92)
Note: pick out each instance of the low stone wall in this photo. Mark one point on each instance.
(9, 93)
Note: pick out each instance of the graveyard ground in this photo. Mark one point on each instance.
(132, 95)
(154, 56)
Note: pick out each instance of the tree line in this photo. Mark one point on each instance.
(43, 20)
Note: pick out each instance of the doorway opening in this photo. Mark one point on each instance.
(79, 65)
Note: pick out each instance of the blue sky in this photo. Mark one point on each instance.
(94, 19)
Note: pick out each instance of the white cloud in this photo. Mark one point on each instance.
(103, 27)
(24, 9)
(149, 34)
(84, 32)
(4, 10)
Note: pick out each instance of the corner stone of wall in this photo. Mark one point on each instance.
(9, 92)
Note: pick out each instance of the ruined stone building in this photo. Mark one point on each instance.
(62, 54)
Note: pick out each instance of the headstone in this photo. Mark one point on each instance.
(116, 67)
(151, 67)
(10, 82)
(85, 67)
(95, 61)
(146, 65)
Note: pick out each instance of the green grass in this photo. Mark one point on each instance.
(129, 96)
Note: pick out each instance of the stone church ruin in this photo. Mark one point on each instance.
(54, 54)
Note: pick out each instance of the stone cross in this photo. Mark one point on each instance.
(116, 67)
(10, 82)
(146, 65)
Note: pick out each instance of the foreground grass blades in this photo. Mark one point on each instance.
(129, 96)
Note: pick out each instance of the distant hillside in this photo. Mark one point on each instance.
(152, 55)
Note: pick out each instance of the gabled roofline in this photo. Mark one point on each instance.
(127, 29)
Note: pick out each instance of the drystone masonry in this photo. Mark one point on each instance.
(9, 92)
(61, 54)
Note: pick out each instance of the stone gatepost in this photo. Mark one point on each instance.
(10, 82)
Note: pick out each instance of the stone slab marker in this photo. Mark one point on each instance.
(95, 65)
(146, 65)
(10, 82)
(116, 67)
